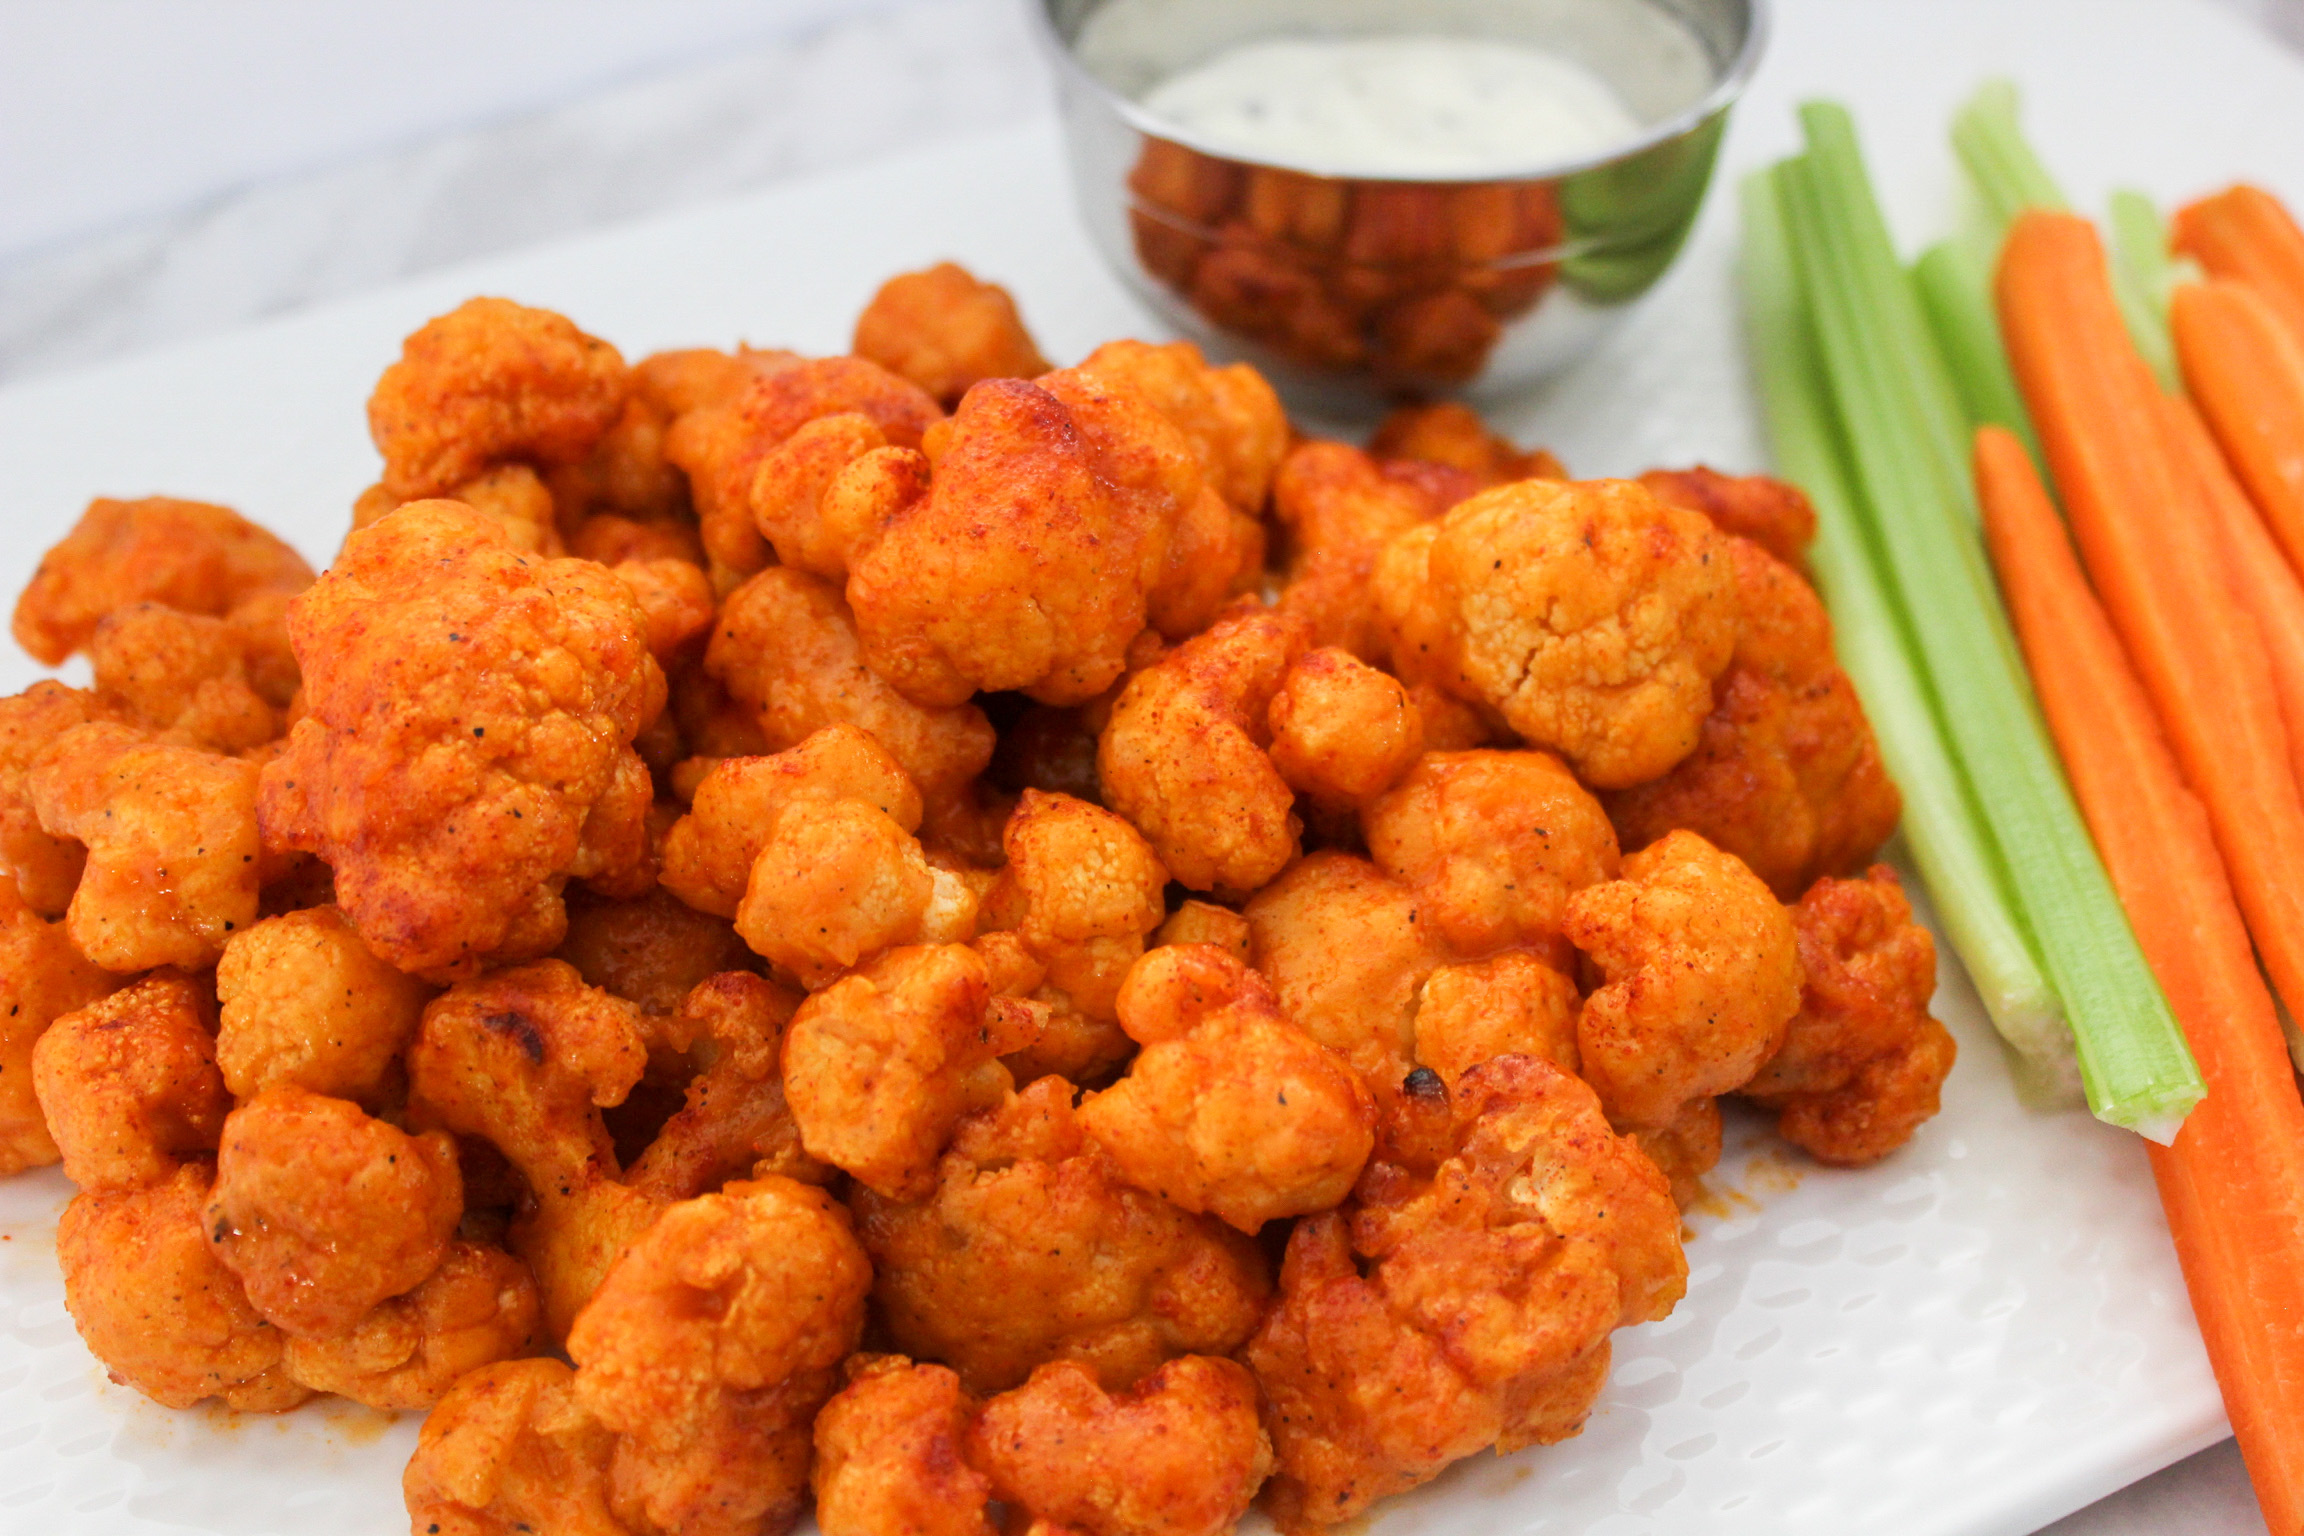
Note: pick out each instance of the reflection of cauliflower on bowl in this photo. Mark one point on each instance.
(1086, 956)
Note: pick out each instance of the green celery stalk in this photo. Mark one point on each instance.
(2144, 274)
(2134, 1064)
(1955, 282)
(1941, 824)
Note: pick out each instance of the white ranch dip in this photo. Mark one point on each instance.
(1409, 105)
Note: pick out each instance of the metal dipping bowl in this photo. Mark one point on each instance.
(1347, 290)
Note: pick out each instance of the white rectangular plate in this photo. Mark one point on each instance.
(1977, 1336)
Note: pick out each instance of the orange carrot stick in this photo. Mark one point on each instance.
(2198, 651)
(2247, 373)
(2259, 573)
(2233, 1183)
(2243, 233)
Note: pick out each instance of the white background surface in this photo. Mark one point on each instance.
(168, 170)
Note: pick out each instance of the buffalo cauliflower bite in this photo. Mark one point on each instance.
(1341, 508)
(839, 882)
(1590, 616)
(155, 1307)
(1230, 415)
(733, 1118)
(466, 746)
(479, 1306)
(1466, 1301)
(184, 554)
(182, 673)
(946, 330)
(1863, 1063)
(1229, 1108)
(129, 1084)
(880, 1066)
(708, 1350)
(1183, 757)
(822, 491)
(1771, 513)
(1512, 1005)
(1786, 774)
(46, 869)
(1454, 435)
(676, 604)
(323, 1212)
(786, 648)
(1180, 1453)
(1493, 844)
(652, 951)
(1204, 922)
(1347, 949)
(1031, 1248)
(1702, 977)
(488, 383)
(171, 834)
(509, 1449)
(42, 978)
(889, 1454)
(304, 1003)
(1342, 732)
(512, 496)
(1027, 563)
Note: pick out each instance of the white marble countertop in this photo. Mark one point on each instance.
(788, 89)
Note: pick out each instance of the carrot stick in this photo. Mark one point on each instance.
(2198, 651)
(2247, 373)
(2259, 574)
(2233, 1182)
(2243, 233)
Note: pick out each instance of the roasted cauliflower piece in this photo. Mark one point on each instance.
(890, 1454)
(1466, 1302)
(1032, 1248)
(1204, 922)
(1183, 757)
(1230, 415)
(1786, 774)
(182, 673)
(1341, 508)
(1180, 1453)
(1702, 978)
(513, 496)
(733, 1118)
(323, 1212)
(477, 1307)
(185, 554)
(708, 1350)
(652, 950)
(676, 605)
(128, 1084)
(839, 883)
(880, 1066)
(1588, 615)
(1493, 844)
(45, 868)
(1342, 732)
(1027, 563)
(171, 836)
(1863, 1063)
(946, 330)
(306, 1004)
(42, 978)
(1229, 1108)
(1773, 514)
(1515, 1004)
(155, 1307)
(466, 747)
(488, 383)
(509, 1449)
(1454, 435)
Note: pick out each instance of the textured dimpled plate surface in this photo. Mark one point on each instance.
(1981, 1334)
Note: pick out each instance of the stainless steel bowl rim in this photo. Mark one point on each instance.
(1723, 93)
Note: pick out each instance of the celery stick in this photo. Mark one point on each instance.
(1955, 282)
(1941, 824)
(2134, 1063)
(2144, 274)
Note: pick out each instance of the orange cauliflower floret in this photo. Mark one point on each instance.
(1862, 1065)
(709, 1348)
(1183, 757)
(946, 330)
(479, 1306)
(509, 1449)
(305, 1003)
(155, 1307)
(171, 834)
(488, 382)
(1786, 775)
(1512, 1005)
(1031, 1249)
(1468, 1301)
(42, 977)
(1341, 508)
(46, 868)
(1230, 415)
(880, 1066)
(733, 1117)
(467, 742)
(1587, 614)
(323, 1212)
(652, 950)
(129, 1083)
(1454, 435)
(1494, 843)
(1229, 1108)
(1342, 732)
(183, 673)
(1180, 1453)
(1027, 563)
(889, 1454)
(512, 496)
(185, 554)
(1771, 513)
(1703, 976)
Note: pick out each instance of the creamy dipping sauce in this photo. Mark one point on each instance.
(1408, 105)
